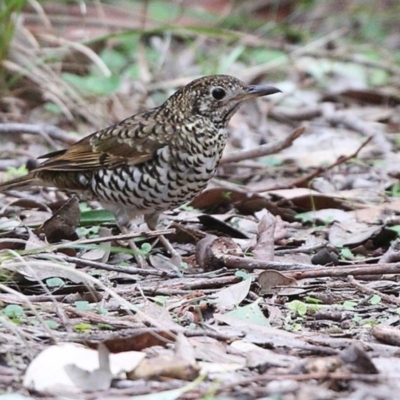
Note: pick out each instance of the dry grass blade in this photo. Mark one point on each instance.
(27, 58)
(64, 46)
(82, 66)
(50, 131)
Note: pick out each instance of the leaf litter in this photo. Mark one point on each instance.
(289, 283)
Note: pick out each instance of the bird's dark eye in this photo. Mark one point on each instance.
(218, 93)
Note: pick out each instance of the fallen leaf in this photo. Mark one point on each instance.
(264, 248)
(97, 379)
(165, 366)
(326, 216)
(350, 232)
(256, 355)
(184, 349)
(102, 252)
(42, 270)
(52, 361)
(269, 281)
(357, 360)
(233, 295)
(308, 199)
(140, 340)
(171, 394)
(63, 223)
(386, 334)
(246, 314)
(157, 312)
(213, 351)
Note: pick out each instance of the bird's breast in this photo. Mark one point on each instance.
(174, 176)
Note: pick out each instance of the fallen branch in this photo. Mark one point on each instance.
(290, 114)
(335, 117)
(369, 291)
(305, 180)
(344, 271)
(46, 131)
(107, 267)
(325, 376)
(263, 150)
(213, 252)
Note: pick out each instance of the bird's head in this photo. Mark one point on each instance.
(215, 97)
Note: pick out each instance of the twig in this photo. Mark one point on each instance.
(42, 298)
(344, 271)
(250, 264)
(302, 377)
(302, 249)
(335, 117)
(364, 289)
(107, 267)
(42, 130)
(263, 150)
(304, 181)
(93, 337)
(58, 42)
(122, 236)
(302, 114)
(210, 283)
(92, 317)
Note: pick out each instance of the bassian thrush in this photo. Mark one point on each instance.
(152, 161)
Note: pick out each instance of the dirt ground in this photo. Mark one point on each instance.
(289, 284)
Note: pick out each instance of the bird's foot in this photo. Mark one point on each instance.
(140, 260)
(176, 259)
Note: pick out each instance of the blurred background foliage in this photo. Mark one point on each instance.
(74, 56)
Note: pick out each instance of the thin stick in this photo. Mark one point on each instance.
(264, 150)
(43, 130)
(305, 180)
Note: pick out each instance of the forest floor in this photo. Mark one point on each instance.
(289, 287)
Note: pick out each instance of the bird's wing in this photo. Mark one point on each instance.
(132, 141)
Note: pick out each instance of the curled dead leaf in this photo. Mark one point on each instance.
(264, 248)
(210, 249)
(62, 225)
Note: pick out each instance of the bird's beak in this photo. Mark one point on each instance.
(257, 91)
(262, 90)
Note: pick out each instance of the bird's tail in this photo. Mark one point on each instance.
(21, 182)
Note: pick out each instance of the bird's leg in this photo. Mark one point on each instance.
(123, 219)
(151, 221)
(176, 259)
(141, 262)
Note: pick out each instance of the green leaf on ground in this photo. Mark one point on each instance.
(250, 313)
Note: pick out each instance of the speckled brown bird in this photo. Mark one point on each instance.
(152, 161)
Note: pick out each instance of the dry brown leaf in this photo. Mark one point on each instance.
(63, 223)
(268, 280)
